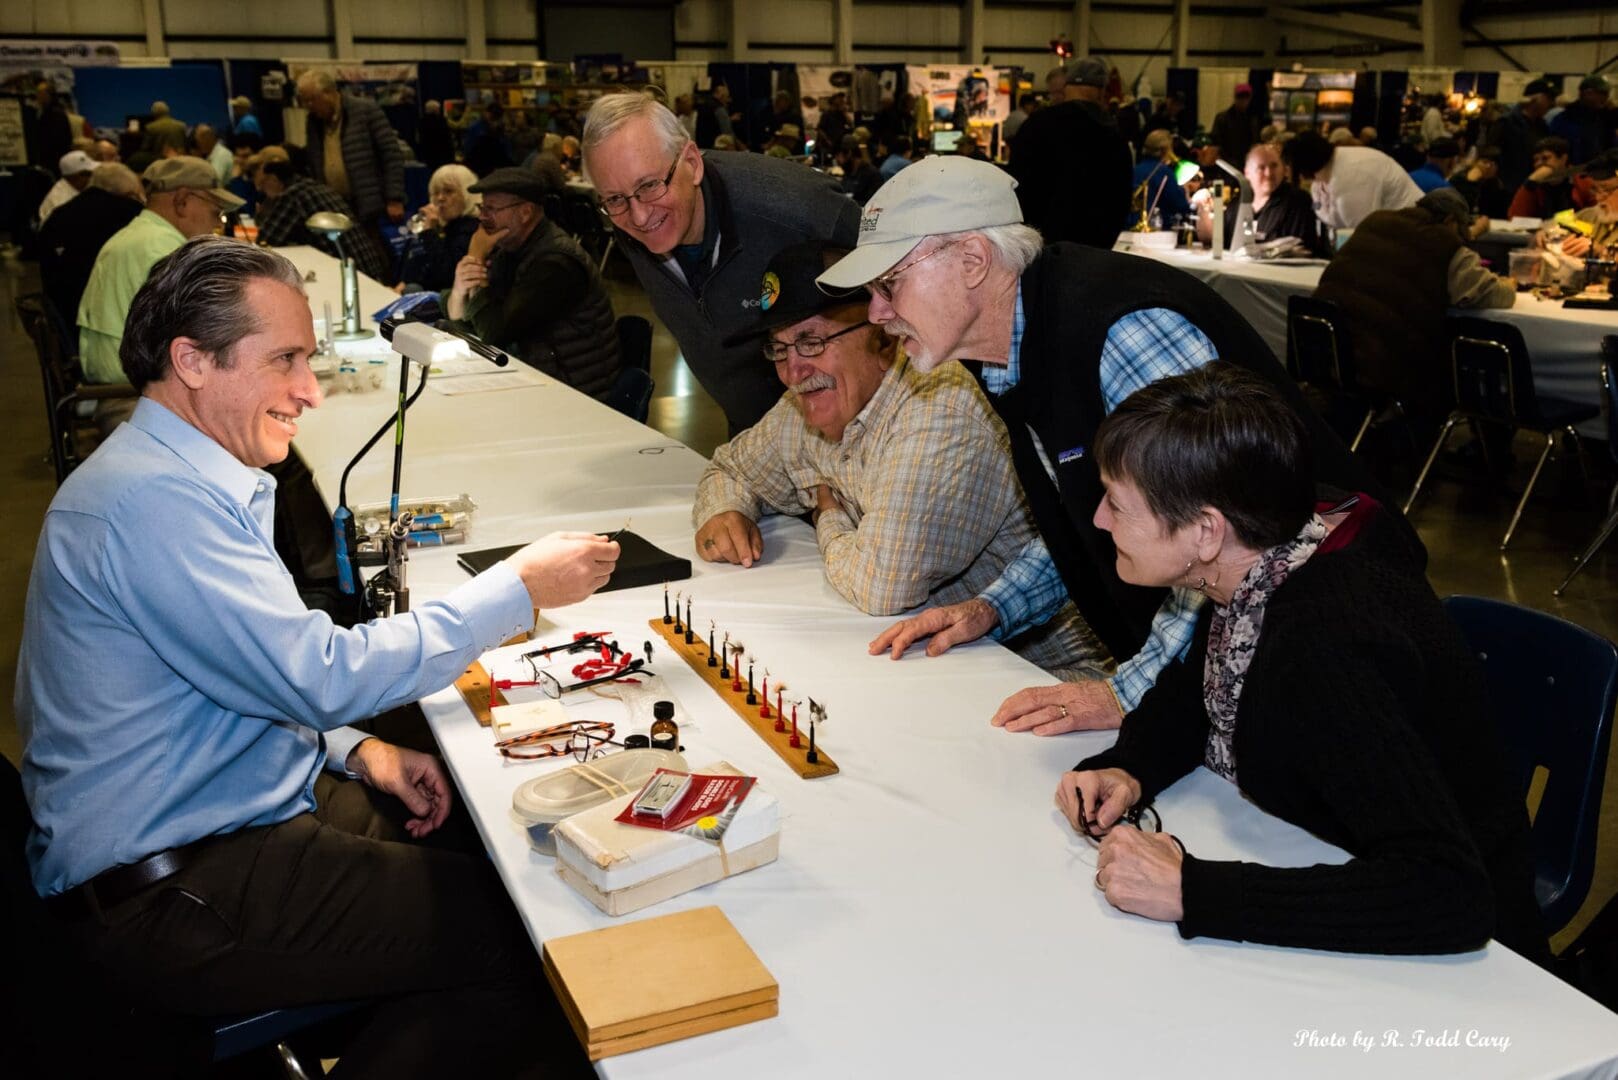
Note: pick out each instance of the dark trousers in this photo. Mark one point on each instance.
(342, 905)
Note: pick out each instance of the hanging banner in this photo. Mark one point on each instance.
(387, 83)
(817, 83)
(19, 53)
(962, 94)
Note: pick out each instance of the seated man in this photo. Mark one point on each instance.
(76, 168)
(1550, 188)
(1157, 184)
(201, 813)
(287, 202)
(1479, 184)
(183, 199)
(906, 476)
(1279, 208)
(70, 241)
(1434, 174)
(527, 287)
(1396, 279)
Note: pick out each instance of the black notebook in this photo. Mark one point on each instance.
(639, 563)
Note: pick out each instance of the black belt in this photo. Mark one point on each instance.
(112, 887)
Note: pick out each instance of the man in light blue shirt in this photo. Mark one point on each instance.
(195, 786)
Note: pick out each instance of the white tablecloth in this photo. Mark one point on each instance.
(930, 914)
(1564, 345)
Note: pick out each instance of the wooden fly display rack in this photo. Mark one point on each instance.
(797, 758)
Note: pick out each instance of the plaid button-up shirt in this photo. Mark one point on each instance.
(281, 220)
(930, 508)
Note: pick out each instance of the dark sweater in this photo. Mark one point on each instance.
(1073, 176)
(1362, 720)
(754, 206)
(545, 305)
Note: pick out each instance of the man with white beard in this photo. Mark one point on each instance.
(905, 476)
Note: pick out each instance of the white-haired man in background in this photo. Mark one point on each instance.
(1063, 333)
(700, 229)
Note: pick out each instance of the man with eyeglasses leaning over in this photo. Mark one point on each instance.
(700, 229)
(907, 476)
(1063, 333)
(526, 286)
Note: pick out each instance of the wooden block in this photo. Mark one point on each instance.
(696, 655)
(653, 981)
(474, 685)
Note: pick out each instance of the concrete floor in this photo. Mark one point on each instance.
(1460, 521)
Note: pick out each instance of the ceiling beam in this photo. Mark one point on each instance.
(1366, 26)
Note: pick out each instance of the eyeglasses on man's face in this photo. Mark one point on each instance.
(807, 346)
(883, 286)
(486, 209)
(649, 192)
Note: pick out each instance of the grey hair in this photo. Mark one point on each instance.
(613, 111)
(456, 178)
(320, 80)
(118, 179)
(1016, 246)
(197, 291)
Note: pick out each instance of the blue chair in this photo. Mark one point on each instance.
(1609, 387)
(45, 943)
(1552, 686)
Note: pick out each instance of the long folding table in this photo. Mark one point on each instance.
(930, 914)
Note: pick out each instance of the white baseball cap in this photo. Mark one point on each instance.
(940, 194)
(75, 162)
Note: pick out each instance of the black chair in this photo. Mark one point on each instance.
(1551, 686)
(1320, 354)
(635, 342)
(63, 381)
(632, 393)
(1494, 384)
(61, 996)
(1609, 397)
(576, 212)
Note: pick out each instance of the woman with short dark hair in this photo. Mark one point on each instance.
(1325, 681)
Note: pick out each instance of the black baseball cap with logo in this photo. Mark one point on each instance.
(787, 293)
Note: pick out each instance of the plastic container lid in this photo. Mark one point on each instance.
(663, 710)
(540, 803)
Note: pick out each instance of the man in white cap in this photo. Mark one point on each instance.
(76, 167)
(1063, 334)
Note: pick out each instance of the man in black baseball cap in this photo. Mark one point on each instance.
(906, 476)
(1520, 129)
(527, 287)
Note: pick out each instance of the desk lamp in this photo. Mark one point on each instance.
(332, 226)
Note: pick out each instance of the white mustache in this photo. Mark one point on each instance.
(898, 328)
(818, 381)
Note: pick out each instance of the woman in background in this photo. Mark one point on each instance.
(450, 218)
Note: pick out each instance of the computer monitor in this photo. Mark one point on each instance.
(944, 142)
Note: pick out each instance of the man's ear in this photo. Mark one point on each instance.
(190, 362)
(977, 259)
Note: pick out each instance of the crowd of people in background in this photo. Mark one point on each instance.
(1090, 159)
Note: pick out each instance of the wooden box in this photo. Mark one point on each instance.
(654, 981)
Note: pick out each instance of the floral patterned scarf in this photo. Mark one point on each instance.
(1233, 635)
